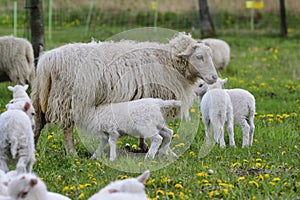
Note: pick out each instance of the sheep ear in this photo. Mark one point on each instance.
(25, 87)
(224, 81)
(143, 177)
(186, 53)
(33, 182)
(26, 106)
(112, 191)
(10, 88)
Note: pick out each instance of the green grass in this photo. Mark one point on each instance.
(262, 63)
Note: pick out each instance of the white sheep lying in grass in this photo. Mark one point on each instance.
(221, 52)
(142, 118)
(16, 60)
(243, 103)
(16, 137)
(30, 187)
(127, 189)
(216, 109)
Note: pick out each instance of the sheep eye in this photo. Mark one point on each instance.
(200, 85)
(200, 57)
(32, 114)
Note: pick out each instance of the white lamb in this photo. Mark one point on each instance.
(142, 118)
(16, 137)
(216, 109)
(243, 103)
(19, 93)
(127, 189)
(5, 178)
(30, 187)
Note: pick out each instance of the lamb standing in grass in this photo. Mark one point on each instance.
(216, 109)
(127, 189)
(141, 118)
(220, 50)
(76, 77)
(30, 187)
(16, 60)
(16, 137)
(243, 104)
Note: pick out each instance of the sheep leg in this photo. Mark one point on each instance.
(155, 143)
(252, 128)
(112, 140)
(3, 158)
(246, 130)
(21, 165)
(39, 125)
(69, 141)
(230, 127)
(143, 145)
(219, 135)
(167, 134)
(102, 142)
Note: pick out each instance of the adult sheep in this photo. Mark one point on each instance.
(78, 76)
(16, 60)
(221, 52)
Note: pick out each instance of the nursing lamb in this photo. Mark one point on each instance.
(78, 77)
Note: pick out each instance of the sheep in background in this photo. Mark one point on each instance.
(16, 60)
(142, 118)
(16, 137)
(216, 109)
(243, 104)
(76, 77)
(221, 52)
(30, 187)
(127, 189)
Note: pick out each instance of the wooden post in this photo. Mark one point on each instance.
(207, 27)
(15, 17)
(283, 25)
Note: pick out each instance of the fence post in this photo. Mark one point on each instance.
(15, 17)
(50, 21)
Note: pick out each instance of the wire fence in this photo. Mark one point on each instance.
(126, 14)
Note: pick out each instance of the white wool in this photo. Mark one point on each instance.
(19, 92)
(16, 139)
(216, 109)
(243, 104)
(76, 77)
(30, 187)
(127, 189)
(142, 118)
(16, 60)
(3, 183)
(221, 52)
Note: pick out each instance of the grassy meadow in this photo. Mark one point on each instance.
(263, 63)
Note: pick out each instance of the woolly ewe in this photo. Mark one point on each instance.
(16, 60)
(78, 77)
(127, 189)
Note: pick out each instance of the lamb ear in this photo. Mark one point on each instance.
(224, 81)
(143, 177)
(26, 106)
(25, 87)
(10, 88)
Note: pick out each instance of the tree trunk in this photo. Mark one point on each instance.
(207, 27)
(283, 25)
(37, 27)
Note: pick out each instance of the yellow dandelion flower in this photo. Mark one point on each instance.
(263, 84)
(150, 181)
(223, 184)
(159, 192)
(180, 145)
(202, 174)
(231, 186)
(253, 198)
(166, 180)
(258, 160)
(258, 153)
(283, 152)
(192, 110)
(245, 161)
(49, 137)
(204, 181)
(213, 193)
(241, 178)
(58, 178)
(192, 153)
(254, 183)
(175, 135)
(237, 164)
(77, 163)
(97, 164)
(261, 177)
(258, 165)
(276, 179)
(178, 186)
(272, 183)
(36, 155)
(134, 146)
(225, 191)
(171, 195)
(81, 186)
(81, 195)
